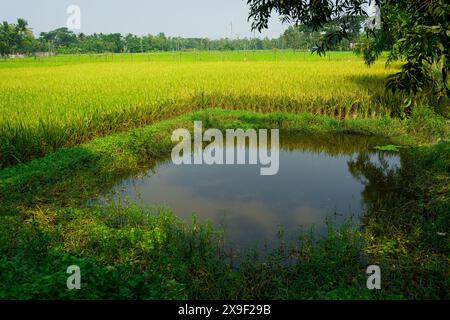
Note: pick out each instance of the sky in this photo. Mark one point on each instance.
(185, 18)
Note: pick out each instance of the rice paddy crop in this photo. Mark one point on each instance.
(63, 101)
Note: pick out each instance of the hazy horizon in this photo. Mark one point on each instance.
(196, 19)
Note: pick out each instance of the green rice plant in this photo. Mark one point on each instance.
(46, 104)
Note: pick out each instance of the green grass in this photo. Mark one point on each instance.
(72, 171)
(71, 126)
(134, 253)
(183, 56)
(67, 100)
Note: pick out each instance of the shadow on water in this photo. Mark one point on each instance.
(321, 177)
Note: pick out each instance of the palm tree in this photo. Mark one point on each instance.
(5, 38)
(22, 26)
(12, 36)
(20, 32)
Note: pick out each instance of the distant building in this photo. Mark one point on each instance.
(16, 56)
(44, 54)
(34, 54)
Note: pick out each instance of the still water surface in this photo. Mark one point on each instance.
(320, 177)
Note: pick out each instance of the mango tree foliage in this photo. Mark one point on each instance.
(417, 31)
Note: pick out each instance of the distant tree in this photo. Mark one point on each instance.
(58, 38)
(305, 37)
(64, 41)
(293, 38)
(15, 38)
(6, 39)
(132, 43)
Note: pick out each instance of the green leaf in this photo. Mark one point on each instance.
(389, 147)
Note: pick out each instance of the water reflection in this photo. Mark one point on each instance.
(320, 176)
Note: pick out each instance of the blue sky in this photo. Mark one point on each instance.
(187, 18)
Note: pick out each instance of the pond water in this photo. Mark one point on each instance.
(320, 177)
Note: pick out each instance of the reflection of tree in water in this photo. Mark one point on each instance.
(373, 169)
(381, 179)
(334, 144)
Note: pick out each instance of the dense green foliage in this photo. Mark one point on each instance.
(307, 38)
(421, 33)
(18, 39)
(65, 41)
(132, 253)
(15, 38)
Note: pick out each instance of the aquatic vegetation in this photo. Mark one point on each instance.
(389, 147)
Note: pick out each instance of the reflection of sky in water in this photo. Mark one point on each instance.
(309, 187)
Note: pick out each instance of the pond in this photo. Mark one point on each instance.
(320, 177)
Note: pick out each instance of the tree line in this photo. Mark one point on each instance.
(17, 38)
